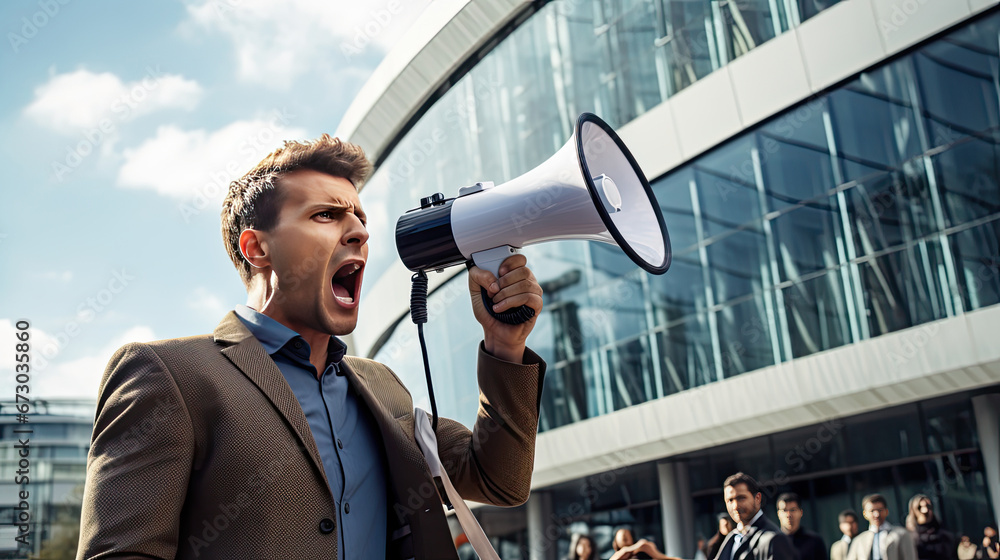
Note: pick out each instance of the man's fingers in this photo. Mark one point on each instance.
(517, 260)
(525, 292)
(485, 279)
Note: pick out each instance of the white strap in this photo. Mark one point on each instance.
(428, 444)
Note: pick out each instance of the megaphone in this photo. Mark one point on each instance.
(590, 189)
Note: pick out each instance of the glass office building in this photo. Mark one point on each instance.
(58, 437)
(829, 173)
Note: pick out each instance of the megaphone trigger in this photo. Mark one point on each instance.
(490, 260)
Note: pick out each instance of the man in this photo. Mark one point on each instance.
(263, 440)
(848, 520)
(755, 536)
(809, 545)
(881, 541)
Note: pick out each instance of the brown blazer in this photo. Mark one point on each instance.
(201, 450)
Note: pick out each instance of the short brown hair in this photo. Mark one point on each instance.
(253, 200)
(874, 499)
(742, 478)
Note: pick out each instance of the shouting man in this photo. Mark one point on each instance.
(263, 440)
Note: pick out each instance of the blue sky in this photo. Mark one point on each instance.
(120, 124)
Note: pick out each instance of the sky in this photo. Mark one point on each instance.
(121, 124)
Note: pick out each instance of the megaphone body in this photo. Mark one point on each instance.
(591, 189)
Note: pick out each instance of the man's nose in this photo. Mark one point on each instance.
(357, 233)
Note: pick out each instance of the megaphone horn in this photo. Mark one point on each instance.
(591, 189)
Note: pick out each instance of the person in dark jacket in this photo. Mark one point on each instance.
(809, 545)
(933, 541)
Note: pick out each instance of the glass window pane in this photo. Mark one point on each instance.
(748, 24)
(809, 8)
(727, 189)
(884, 436)
(673, 194)
(632, 373)
(891, 209)
(806, 239)
(564, 397)
(968, 176)
(816, 313)
(904, 288)
(874, 121)
(745, 337)
(680, 292)
(977, 262)
(795, 157)
(958, 81)
(686, 355)
(737, 265)
(688, 42)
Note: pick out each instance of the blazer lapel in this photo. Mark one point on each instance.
(247, 354)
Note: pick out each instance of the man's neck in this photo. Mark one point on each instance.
(743, 527)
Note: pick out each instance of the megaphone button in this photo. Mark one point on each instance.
(431, 200)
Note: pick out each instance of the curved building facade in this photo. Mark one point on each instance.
(829, 173)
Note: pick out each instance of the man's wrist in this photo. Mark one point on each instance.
(506, 352)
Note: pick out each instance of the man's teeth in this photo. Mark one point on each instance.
(346, 299)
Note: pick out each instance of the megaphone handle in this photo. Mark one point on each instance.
(490, 260)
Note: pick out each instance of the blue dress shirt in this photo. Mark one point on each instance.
(348, 441)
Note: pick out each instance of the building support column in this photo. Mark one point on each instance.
(987, 411)
(676, 509)
(542, 532)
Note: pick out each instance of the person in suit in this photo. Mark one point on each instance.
(882, 540)
(263, 439)
(809, 545)
(848, 521)
(755, 537)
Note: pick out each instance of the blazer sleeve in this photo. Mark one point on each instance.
(139, 462)
(493, 463)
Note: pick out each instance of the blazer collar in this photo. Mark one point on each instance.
(250, 357)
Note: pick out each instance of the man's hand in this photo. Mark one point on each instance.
(515, 287)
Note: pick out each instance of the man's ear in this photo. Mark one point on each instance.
(254, 248)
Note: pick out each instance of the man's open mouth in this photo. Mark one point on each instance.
(346, 282)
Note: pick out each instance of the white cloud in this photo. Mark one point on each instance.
(186, 164)
(207, 304)
(80, 100)
(277, 41)
(61, 378)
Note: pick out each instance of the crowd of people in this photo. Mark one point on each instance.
(745, 533)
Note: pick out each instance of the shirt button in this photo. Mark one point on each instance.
(326, 526)
(340, 444)
(298, 344)
(347, 507)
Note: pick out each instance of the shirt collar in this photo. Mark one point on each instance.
(273, 336)
(884, 527)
